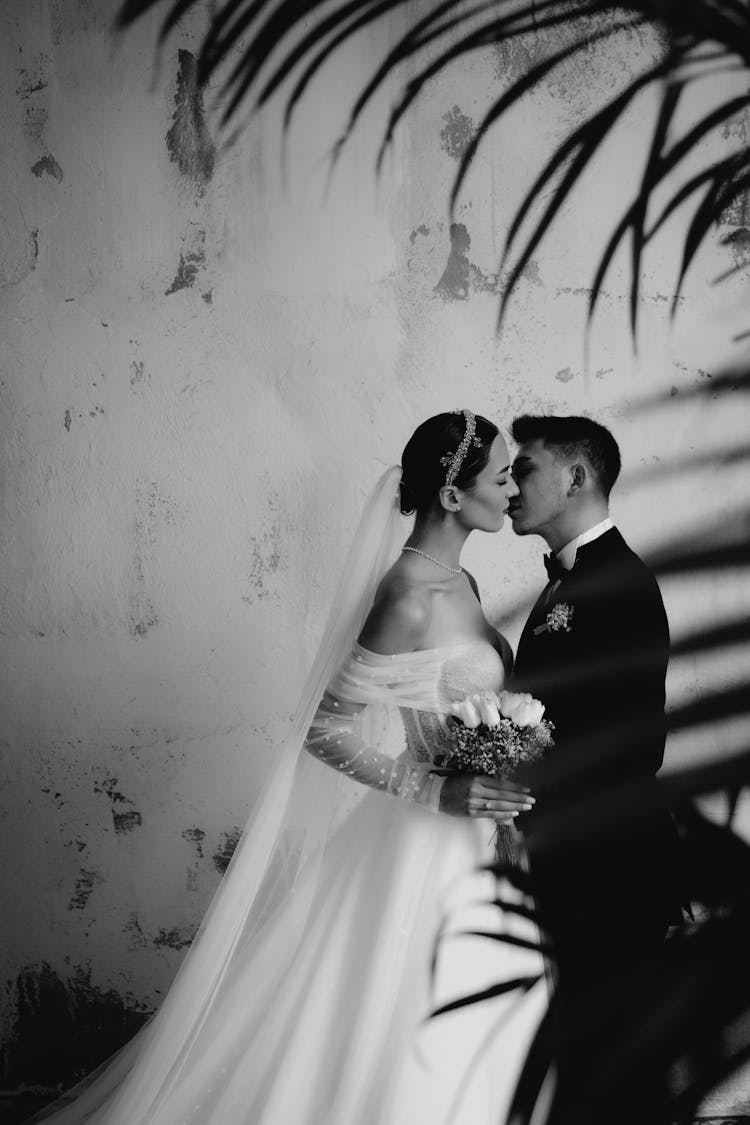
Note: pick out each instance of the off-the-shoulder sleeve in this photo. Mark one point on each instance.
(336, 735)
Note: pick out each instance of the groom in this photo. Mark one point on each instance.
(603, 850)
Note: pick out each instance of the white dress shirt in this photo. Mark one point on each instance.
(567, 555)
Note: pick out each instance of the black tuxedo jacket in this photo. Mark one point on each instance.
(603, 848)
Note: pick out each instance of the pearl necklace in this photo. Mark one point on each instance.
(437, 562)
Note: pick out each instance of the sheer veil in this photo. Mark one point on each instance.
(284, 836)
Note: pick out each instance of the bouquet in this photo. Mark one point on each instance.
(496, 734)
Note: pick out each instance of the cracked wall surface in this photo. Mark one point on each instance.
(206, 359)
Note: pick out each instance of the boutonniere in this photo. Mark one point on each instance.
(558, 620)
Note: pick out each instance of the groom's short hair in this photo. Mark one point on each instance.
(574, 436)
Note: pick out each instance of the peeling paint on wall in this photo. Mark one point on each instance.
(48, 166)
(124, 819)
(139, 377)
(187, 271)
(32, 81)
(175, 938)
(188, 140)
(456, 133)
(154, 511)
(738, 240)
(63, 1028)
(737, 129)
(573, 80)
(19, 250)
(737, 214)
(564, 375)
(191, 261)
(196, 836)
(265, 560)
(145, 622)
(223, 855)
(84, 888)
(134, 931)
(461, 275)
(32, 93)
(454, 283)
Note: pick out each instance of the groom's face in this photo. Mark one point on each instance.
(542, 482)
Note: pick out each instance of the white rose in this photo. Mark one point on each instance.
(488, 710)
(530, 714)
(521, 708)
(466, 712)
(510, 701)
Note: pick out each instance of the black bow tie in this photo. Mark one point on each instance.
(555, 569)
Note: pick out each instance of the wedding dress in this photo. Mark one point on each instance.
(369, 916)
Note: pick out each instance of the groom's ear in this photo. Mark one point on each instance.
(449, 499)
(577, 478)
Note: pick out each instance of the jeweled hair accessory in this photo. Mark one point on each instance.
(454, 461)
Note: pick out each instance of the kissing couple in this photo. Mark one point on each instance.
(305, 997)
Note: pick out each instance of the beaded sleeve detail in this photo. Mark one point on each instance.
(352, 730)
(336, 737)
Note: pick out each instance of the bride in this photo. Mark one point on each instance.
(355, 904)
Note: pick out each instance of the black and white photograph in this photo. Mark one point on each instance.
(375, 562)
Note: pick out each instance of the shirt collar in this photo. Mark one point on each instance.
(567, 554)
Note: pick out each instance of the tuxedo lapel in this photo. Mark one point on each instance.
(543, 651)
(534, 620)
(538, 610)
(554, 592)
(598, 666)
(602, 551)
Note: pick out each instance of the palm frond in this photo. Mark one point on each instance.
(315, 65)
(497, 31)
(715, 201)
(671, 1013)
(490, 993)
(521, 86)
(660, 166)
(651, 175)
(577, 151)
(293, 40)
(506, 939)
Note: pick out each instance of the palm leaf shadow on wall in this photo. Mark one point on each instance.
(255, 49)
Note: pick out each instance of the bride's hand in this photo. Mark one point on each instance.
(473, 794)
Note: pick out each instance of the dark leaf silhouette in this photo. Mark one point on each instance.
(256, 49)
(487, 994)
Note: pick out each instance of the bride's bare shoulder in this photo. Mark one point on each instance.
(400, 615)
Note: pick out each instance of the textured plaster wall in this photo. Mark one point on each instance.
(203, 368)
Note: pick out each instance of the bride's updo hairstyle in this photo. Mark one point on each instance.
(425, 461)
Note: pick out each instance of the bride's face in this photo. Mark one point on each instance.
(485, 502)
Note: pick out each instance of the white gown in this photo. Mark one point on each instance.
(328, 1024)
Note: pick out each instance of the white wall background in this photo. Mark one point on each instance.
(204, 368)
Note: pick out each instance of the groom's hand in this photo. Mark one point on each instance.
(494, 798)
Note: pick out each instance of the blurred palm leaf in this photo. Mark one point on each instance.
(684, 1019)
(254, 48)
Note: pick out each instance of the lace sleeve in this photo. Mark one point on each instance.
(336, 738)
